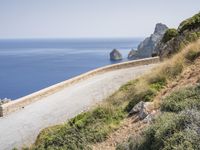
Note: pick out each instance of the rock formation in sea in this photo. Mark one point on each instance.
(146, 47)
(115, 55)
(132, 53)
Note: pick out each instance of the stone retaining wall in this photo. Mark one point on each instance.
(26, 100)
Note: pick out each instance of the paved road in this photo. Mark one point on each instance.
(22, 127)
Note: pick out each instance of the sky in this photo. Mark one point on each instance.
(90, 18)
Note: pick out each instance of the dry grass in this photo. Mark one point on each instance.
(179, 71)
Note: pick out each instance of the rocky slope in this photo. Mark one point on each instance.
(174, 40)
(146, 47)
(177, 124)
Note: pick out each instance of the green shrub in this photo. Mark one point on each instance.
(155, 136)
(190, 24)
(169, 34)
(192, 55)
(171, 131)
(176, 128)
(184, 140)
(182, 99)
(157, 82)
(198, 34)
(191, 36)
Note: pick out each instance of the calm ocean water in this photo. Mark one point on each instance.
(27, 66)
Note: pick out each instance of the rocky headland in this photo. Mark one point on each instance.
(175, 39)
(147, 47)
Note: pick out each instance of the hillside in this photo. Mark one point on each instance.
(178, 122)
(176, 39)
(170, 95)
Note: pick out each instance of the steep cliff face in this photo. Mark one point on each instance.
(174, 40)
(146, 47)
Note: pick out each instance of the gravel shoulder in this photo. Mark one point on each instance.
(22, 127)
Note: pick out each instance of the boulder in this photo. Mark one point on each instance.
(143, 114)
(115, 55)
(142, 109)
(147, 47)
(150, 117)
(137, 108)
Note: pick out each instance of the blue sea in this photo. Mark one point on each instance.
(27, 66)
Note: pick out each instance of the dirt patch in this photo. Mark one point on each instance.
(130, 126)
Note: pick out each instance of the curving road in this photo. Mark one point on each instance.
(22, 127)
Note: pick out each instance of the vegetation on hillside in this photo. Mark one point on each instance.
(169, 34)
(175, 40)
(176, 128)
(178, 125)
(190, 23)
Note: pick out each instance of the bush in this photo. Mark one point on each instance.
(157, 81)
(191, 36)
(192, 55)
(184, 140)
(169, 34)
(170, 131)
(176, 128)
(190, 23)
(183, 99)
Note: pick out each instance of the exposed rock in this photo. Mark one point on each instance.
(143, 114)
(137, 108)
(132, 53)
(188, 31)
(115, 55)
(142, 109)
(146, 48)
(151, 116)
(5, 100)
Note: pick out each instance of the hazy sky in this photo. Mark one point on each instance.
(90, 18)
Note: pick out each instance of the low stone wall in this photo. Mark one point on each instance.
(26, 100)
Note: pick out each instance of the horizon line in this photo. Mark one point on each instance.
(66, 38)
